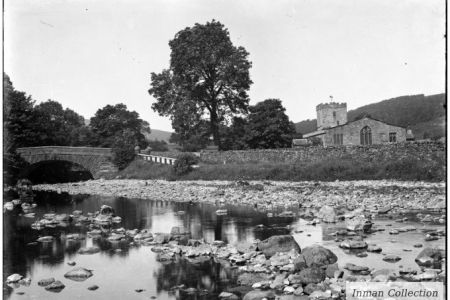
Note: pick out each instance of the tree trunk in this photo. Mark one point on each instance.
(215, 128)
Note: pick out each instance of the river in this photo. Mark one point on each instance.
(120, 268)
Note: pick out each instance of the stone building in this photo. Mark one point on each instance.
(334, 129)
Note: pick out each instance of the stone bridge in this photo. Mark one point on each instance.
(96, 160)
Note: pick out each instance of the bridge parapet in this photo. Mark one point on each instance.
(64, 150)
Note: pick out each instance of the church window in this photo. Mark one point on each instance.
(366, 136)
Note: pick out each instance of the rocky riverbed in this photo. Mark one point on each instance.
(266, 195)
(367, 219)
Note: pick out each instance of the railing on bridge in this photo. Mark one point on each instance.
(158, 159)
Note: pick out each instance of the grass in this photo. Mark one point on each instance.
(327, 170)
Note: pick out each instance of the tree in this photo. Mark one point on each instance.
(234, 136)
(57, 126)
(208, 76)
(269, 126)
(18, 119)
(157, 145)
(111, 122)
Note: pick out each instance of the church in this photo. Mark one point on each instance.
(334, 129)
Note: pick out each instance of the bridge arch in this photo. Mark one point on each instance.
(96, 160)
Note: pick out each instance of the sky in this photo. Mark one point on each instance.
(86, 54)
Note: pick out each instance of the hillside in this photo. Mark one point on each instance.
(424, 114)
(157, 134)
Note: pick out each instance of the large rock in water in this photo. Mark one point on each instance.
(358, 223)
(430, 257)
(278, 243)
(327, 214)
(315, 256)
(78, 274)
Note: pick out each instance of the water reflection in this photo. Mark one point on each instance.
(23, 255)
(121, 267)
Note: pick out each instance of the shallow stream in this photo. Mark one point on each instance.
(119, 269)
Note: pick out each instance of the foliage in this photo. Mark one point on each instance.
(234, 136)
(112, 121)
(183, 164)
(57, 126)
(157, 145)
(208, 76)
(18, 119)
(123, 148)
(269, 126)
(12, 166)
(192, 139)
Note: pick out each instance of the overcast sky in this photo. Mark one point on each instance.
(87, 54)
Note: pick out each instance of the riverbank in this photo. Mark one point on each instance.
(327, 169)
(266, 195)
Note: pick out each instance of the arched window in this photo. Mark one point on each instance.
(366, 136)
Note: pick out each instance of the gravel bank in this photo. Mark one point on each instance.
(269, 194)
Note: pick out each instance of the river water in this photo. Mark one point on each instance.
(119, 269)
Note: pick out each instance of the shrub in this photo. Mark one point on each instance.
(183, 164)
(123, 156)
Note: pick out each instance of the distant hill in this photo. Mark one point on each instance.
(425, 115)
(157, 134)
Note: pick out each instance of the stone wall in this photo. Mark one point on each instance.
(351, 132)
(379, 153)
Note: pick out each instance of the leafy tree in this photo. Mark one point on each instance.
(113, 121)
(269, 126)
(18, 119)
(234, 136)
(56, 125)
(157, 145)
(208, 76)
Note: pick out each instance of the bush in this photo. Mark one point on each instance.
(123, 155)
(183, 164)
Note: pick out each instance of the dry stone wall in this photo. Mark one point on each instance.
(427, 151)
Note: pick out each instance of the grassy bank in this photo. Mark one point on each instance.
(327, 170)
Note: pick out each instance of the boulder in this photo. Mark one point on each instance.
(327, 214)
(430, 257)
(355, 268)
(55, 286)
(350, 244)
(311, 275)
(317, 256)
(358, 223)
(93, 287)
(13, 278)
(278, 243)
(78, 274)
(46, 281)
(331, 270)
(279, 260)
(278, 282)
(259, 295)
(228, 296)
(392, 258)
